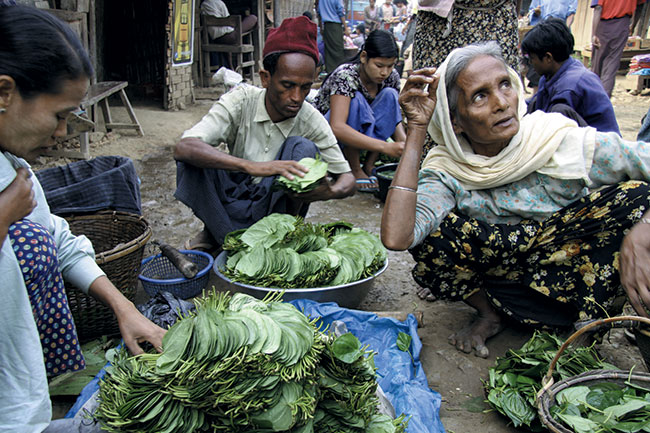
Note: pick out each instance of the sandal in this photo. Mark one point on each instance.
(367, 185)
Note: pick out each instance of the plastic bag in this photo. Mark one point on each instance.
(227, 77)
(164, 309)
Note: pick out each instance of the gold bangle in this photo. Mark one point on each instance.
(403, 188)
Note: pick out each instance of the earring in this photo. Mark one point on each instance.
(3, 110)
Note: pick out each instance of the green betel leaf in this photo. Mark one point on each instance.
(630, 405)
(601, 399)
(347, 348)
(575, 395)
(578, 423)
(516, 408)
(403, 341)
(317, 170)
(269, 230)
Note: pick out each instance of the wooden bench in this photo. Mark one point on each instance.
(98, 94)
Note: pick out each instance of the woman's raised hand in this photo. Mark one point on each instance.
(17, 200)
(418, 97)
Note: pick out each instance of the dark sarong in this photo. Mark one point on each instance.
(105, 182)
(606, 60)
(226, 201)
(549, 273)
(333, 38)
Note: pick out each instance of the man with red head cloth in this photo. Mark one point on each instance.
(267, 130)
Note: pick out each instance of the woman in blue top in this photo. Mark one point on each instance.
(526, 217)
(360, 100)
(44, 75)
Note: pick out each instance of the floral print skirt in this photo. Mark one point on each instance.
(550, 273)
(473, 21)
(37, 257)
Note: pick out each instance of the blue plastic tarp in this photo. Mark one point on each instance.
(402, 379)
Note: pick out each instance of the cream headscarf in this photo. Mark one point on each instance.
(548, 143)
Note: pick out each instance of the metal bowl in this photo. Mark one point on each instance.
(346, 295)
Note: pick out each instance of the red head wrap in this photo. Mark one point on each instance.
(294, 35)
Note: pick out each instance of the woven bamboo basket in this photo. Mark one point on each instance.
(119, 239)
(546, 396)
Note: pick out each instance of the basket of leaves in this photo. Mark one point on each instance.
(597, 400)
(516, 377)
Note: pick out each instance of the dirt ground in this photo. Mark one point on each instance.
(456, 376)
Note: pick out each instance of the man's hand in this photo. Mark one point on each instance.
(288, 169)
(635, 267)
(394, 149)
(595, 42)
(17, 200)
(322, 192)
(418, 97)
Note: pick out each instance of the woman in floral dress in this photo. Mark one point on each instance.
(529, 218)
(359, 99)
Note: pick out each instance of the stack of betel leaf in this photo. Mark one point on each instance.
(516, 378)
(286, 252)
(239, 364)
(317, 170)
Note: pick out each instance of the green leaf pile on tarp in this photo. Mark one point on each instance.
(604, 407)
(239, 364)
(286, 252)
(317, 170)
(516, 377)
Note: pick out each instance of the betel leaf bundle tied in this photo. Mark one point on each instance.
(239, 364)
(317, 170)
(286, 252)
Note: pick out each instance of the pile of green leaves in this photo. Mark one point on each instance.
(604, 407)
(516, 377)
(346, 380)
(239, 364)
(285, 251)
(317, 170)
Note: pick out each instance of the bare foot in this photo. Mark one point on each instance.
(475, 335)
(425, 294)
(203, 241)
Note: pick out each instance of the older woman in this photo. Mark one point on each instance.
(44, 75)
(531, 218)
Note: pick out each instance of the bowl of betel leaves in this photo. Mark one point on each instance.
(332, 262)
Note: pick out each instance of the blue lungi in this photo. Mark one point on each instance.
(378, 119)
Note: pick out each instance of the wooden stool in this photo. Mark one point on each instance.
(98, 94)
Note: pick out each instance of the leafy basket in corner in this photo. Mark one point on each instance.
(119, 239)
(615, 394)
